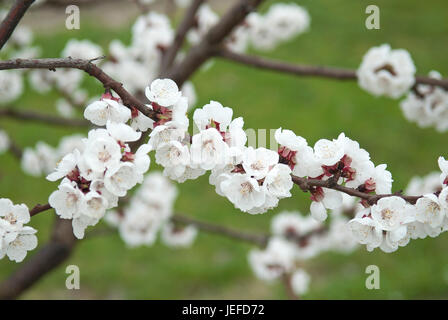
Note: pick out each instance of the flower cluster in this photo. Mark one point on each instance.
(341, 160)
(295, 239)
(391, 73)
(392, 222)
(94, 177)
(427, 105)
(148, 213)
(252, 179)
(15, 238)
(388, 72)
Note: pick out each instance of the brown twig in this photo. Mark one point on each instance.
(200, 53)
(38, 208)
(306, 184)
(45, 118)
(11, 20)
(306, 70)
(87, 66)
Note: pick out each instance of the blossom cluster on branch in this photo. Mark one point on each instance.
(94, 177)
(387, 72)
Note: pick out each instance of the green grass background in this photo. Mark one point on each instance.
(314, 108)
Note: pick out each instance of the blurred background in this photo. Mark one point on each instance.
(216, 267)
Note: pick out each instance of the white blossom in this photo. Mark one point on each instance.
(258, 162)
(81, 49)
(11, 85)
(429, 210)
(328, 152)
(243, 191)
(213, 115)
(68, 201)
(388, 72)
(121, 178)
(99, 112)
(164, 92)
(101, 150)
(278, 181)
(208, 149)
(17, 249)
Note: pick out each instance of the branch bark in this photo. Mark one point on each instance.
(87, 66)
(12, 19)
(306, 70)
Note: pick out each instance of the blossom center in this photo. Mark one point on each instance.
(246, 188)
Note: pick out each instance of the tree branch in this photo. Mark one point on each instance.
(257, 239)
(88, 67)
(13, 17)
(198, 54)
(306, 70)
(39, 117)
(306, 185)
(186, 24)
(38, 208)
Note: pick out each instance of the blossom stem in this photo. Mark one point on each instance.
(38, 208)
